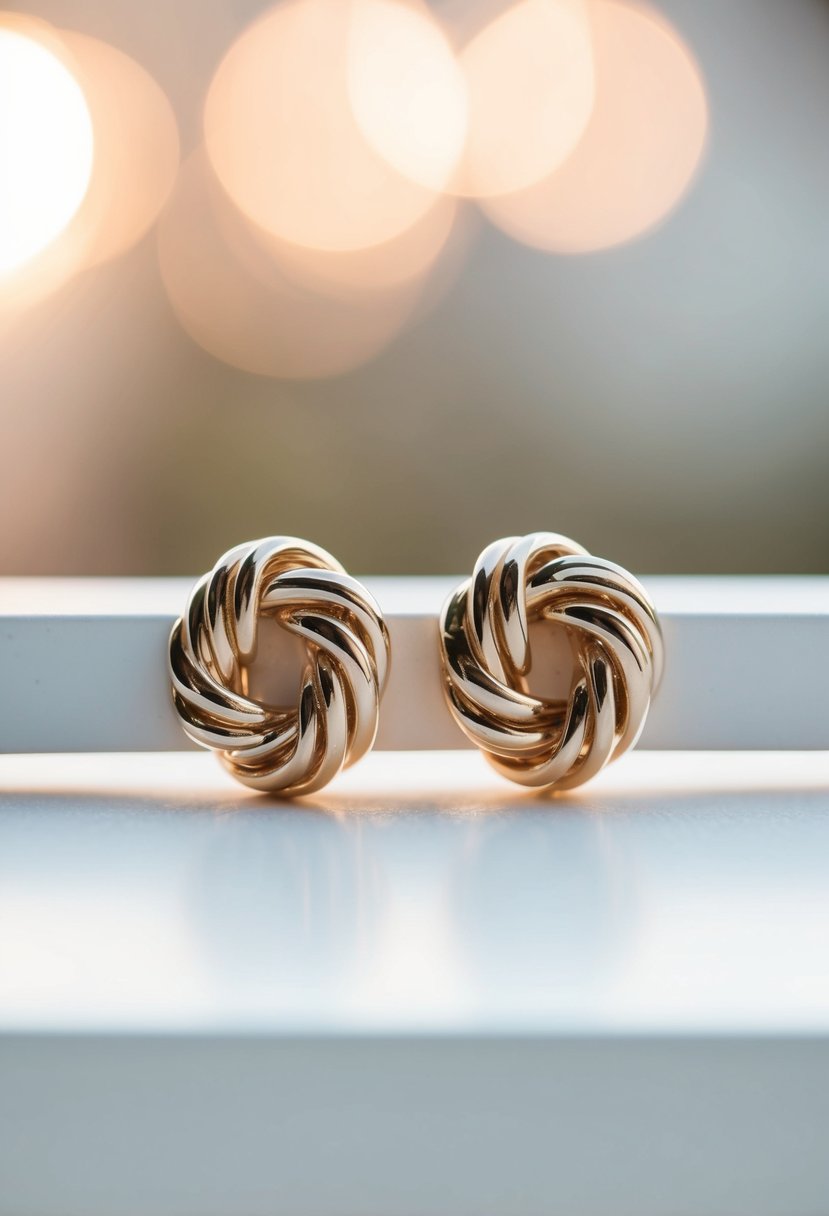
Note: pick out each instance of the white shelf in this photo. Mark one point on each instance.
(83, 664)
(419, 991)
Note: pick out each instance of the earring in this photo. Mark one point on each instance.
(485, 651)
(213, 645)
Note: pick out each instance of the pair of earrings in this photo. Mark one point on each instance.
(484, 648)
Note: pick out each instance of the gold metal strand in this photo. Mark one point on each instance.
(486, 656)
(297, 749)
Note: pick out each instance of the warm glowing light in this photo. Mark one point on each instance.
(236, 300)
(406, 89)
(283, 140)
(400, 261)
(639, 151)
(530, 83)
(46, 148)
(132, 172)
(137, 149)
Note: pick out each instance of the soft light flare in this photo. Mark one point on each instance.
(136, 149)
(232, 295)
(640, 150)
(283, 140)
(46, 148)
(530, 88)
(406, 89)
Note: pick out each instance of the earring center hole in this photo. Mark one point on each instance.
(275, 674)
(555, 657)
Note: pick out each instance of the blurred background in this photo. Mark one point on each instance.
(401, 278)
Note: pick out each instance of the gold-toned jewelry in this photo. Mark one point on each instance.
(298, 749)
(485, 651)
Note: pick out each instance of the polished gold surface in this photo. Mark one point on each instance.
(486, 654)
(300, 748)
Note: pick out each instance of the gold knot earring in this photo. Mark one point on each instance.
(486, 657)
(299, 749)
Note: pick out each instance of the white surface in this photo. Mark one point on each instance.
(418, 992)
(83, 664)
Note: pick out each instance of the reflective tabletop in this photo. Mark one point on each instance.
(419, 893)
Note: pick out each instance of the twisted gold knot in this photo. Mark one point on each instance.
(485, 648)
(295, 750)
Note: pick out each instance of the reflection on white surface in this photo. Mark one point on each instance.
(415, 965)
(128, 951)
(676, 893)
(769, 950)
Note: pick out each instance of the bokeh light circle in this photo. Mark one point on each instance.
(530, 86)
(406, 89)
(640, 149)
(354, 273)
(136, 148)
(46, 148)
(236, 299)
(283, 140)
